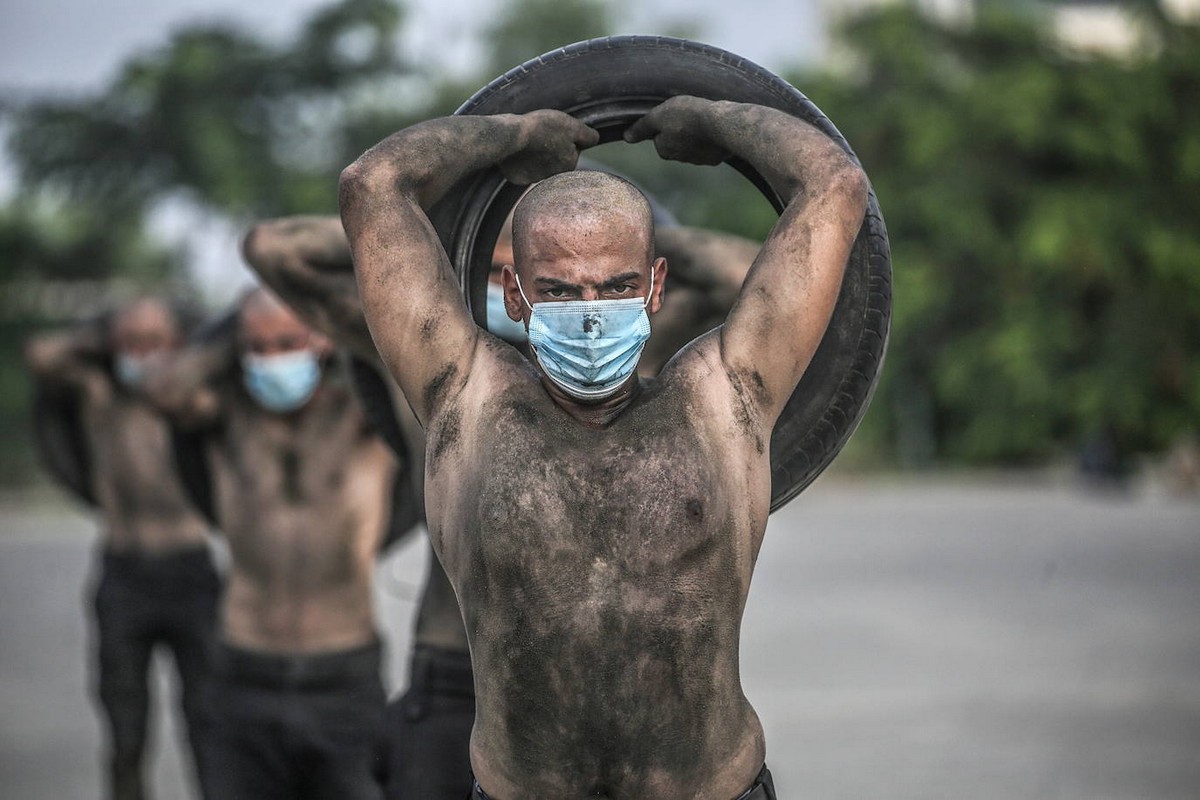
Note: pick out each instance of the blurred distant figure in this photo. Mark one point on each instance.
(424, 750)
(156, 583)
(301, 490)
(1103, 462)
(307, 260)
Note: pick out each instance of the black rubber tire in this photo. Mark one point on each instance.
(61, 443)
(609, 83)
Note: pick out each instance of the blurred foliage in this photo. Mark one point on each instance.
(1042, 206)
(246, 126)
(528, 28)
(1042, 202)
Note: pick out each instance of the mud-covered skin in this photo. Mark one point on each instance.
(141, 500)
(601, 552)
(602, 575)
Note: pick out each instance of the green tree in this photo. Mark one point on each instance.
(527, 28)
(1042, 207)
(244, 125)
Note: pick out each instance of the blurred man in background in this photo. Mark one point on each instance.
(156, 583)
(307, 260)
(301, 490)
(423, 753)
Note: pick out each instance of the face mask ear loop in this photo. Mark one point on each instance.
(650, 293)
(522, 291)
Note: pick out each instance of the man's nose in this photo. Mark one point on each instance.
(590, 293)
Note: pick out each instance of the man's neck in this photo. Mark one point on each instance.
(599, 414)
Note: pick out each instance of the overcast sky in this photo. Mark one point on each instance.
(77, 46)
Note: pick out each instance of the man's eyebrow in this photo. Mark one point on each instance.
(555, 283)
(618, 280)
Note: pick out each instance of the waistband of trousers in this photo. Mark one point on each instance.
(757, 789)
(192, 559)
(324, 670)
(441, 671)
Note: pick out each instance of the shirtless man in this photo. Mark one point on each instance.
(301, 489)
(600, 531)
(156, 583)
(306, 260)
(423, 754)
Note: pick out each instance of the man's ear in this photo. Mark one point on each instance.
(656, 291)
(514, 304)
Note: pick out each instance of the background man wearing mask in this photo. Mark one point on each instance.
(307, 260)
(156, 584)
(302, 491)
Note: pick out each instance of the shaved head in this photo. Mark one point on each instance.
(260, 302)
(266, 325)
(148, 323)
(578, 210)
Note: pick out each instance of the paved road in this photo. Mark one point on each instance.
(906, 640)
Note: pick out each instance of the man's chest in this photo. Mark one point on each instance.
(129, 441)
(653, 489)
(300, 460)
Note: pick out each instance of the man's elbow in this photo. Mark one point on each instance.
(38, 354)
(851, 185)
(262, 248)
(358, 180)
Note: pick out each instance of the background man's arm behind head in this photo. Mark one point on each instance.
(306, 261)
(70, 358)
(184, 388)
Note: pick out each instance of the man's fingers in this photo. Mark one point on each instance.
(586, 136)
(640, 130)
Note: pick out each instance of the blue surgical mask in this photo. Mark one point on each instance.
(282, 382)
(497, 317)
(131, 370)
(589, 348)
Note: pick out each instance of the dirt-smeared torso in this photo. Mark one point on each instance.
(602, 574)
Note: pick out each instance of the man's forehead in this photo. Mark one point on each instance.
(145, 315)
(259, 319)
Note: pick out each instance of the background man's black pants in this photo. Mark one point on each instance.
(141, 602)
(427, 731)
(294, 727)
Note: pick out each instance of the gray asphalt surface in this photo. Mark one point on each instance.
(945, 639)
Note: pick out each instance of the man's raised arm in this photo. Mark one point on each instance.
(788, 297)
(183, 390)
(306, 261)
(68, 358)
(409, 292)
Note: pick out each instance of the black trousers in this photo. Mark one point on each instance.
(294, 727)
(425, 753)
(141, 602)
(763, 788)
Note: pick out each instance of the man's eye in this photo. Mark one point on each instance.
(558, 294)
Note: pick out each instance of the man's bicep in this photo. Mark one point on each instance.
(415, 311)
(780, 316)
